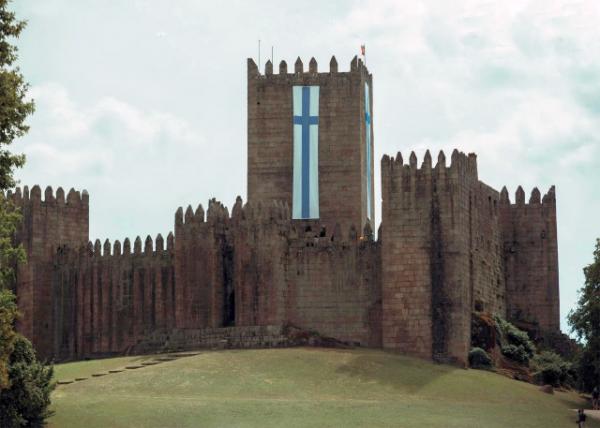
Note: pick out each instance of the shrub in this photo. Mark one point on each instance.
(514, 340)
(8, 314)
(549, 368)
(479, 359)
(520, 338)
(516, 353)
(26, 401)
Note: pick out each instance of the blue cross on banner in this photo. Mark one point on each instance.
(368, 154)
(305, 202)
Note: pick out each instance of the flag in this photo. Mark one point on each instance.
(368, 154)
(362, 50)
(305, 198)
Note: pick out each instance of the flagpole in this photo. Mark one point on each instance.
(259, 55)
(363, 52)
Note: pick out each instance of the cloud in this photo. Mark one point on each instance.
(108, 147)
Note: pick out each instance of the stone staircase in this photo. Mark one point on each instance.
(269, 336)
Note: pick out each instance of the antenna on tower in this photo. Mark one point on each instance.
(272, 57)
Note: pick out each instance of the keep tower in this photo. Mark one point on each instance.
(310, 141)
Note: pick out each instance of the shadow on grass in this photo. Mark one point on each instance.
(399, 372)
(574, 401)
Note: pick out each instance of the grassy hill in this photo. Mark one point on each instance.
(300, 387)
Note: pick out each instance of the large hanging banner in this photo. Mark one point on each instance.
(368, 153)
(305, 202)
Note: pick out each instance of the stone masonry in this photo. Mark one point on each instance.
(448, 246)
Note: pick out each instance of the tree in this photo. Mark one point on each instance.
(10, 256)
(8, 314)
(14, 109)
(585, 322)
(14, 106)
(26, 402)
(25, 383)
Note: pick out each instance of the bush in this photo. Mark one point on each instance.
(515, 343)
(516, 353)
(479, 359)
(26, 401)
(8, 314)
(549, 368)
(520, 338)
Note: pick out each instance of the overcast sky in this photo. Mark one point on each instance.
(143, 102)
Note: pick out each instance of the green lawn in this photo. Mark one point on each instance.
(302, 387)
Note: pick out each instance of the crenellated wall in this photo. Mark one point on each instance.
(106, 299)
(202, 275)
(342, 137)
(448, 245)
(48, 224)
(253, 268)
(302, 273)
(426, 291)
(441, 254)
(531, 259)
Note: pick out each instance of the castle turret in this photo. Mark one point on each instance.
(310, 141)
(531, 258)
(47, 225)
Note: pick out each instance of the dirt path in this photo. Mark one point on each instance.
(592, 414)
(595, 414)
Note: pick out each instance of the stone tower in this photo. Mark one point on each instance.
(48, 224)
(310, 141)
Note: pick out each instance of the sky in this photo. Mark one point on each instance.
(143, 103)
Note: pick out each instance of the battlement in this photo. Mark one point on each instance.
(460, 164)
(24, 196)
(277, 213)
(408, 179)
(343, 102)
(356, 67)
(529, 233)
(150, 247)
(535, 198)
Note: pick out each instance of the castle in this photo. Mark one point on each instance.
(302, 250)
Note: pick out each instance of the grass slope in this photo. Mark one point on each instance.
(302, 387)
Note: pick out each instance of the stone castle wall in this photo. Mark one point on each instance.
(426, 255)
(448, 245)
(107, 297)
(253, 268)
(342, 138)
(531, 257)
(47, 224)
(444, 236)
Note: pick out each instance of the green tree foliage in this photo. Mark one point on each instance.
(9, 257)
(550, 369)
(25, 383)
(14, 105)
(14, 109)
(514, 343)
(8, 313)
(26, 402)
(585, 322)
